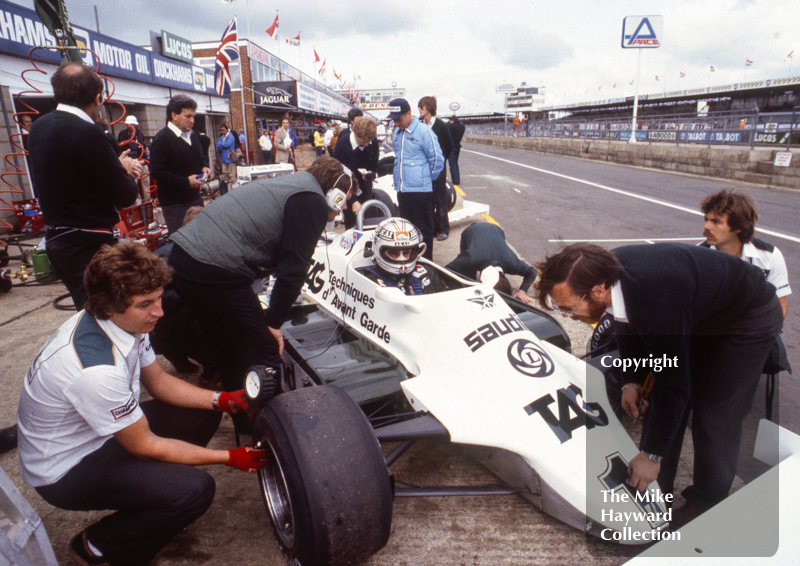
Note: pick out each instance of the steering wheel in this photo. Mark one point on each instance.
(367, 205)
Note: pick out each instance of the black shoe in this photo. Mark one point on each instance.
(8, 439)
(80, 553)
(442, 236)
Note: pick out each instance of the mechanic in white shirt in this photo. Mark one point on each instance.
(729, 223)
(85, 441)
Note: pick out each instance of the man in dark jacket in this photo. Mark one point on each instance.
(358, 150)
(457, 133)
(708, 320)
(177, 162)
(267, 227)
(80, 181)
(427, 113)
(484, 245)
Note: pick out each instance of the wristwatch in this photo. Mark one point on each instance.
(653, 457)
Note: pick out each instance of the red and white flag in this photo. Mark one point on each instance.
(272, 30)
(338, 77)
(683, 74)
(322, 67)
(747, 62)
(791, 54)
(712, 68)
(294, 40)
(316, 56)
(656, 77)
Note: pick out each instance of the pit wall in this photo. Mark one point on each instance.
(723, 162)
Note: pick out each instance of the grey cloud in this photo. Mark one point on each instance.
(525, 46)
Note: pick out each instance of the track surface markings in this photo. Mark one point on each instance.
(625, 193)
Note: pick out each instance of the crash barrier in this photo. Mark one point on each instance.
(760, 165)
(739, 128)
(23, 540)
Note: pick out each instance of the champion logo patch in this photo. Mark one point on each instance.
(125, 409)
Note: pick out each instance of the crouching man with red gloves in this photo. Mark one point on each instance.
(85, 441)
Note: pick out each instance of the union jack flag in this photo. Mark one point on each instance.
(227, 52)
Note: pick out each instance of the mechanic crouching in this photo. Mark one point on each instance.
(267, 227)
(85, 442)
(396, 245)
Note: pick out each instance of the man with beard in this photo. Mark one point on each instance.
(713, 314)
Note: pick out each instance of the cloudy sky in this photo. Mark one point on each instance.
(460, 50)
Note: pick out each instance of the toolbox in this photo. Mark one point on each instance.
(139, 223)
(29, 215)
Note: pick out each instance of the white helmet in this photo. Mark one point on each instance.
(397, 234)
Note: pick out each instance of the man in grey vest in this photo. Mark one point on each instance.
(267, 227)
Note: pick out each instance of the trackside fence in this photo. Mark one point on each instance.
(738, 128)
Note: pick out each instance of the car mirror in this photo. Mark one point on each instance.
(396, 296)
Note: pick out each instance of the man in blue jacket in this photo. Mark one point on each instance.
(226, 145)
(418, 160)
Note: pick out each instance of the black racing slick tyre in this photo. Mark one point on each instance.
(380, 195)
(452, 197)
(326, 485)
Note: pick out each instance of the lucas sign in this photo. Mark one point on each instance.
(642, 32)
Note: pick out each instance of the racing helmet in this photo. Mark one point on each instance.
(397, 235)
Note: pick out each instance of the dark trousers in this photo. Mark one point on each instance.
(70, 252)
(175, 213)
(455, 175)
(267, 155)
(440, 201)
(417, 208)
(725, 370)
(154, 500)
(232, 317)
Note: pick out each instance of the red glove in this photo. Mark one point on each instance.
(232, 401)
(247, 458)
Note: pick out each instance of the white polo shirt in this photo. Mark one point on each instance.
(81, 388)
(768, 259)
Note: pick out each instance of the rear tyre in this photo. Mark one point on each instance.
(326, 487)
(381, 195)
(452, 197)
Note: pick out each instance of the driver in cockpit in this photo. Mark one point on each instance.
(396, 245)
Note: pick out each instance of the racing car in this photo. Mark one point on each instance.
(368, 367)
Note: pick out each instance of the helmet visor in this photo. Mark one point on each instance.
(400, 255)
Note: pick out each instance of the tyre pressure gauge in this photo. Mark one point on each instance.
(260, 384)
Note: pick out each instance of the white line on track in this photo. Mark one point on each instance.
(648, 240)
(519, 191)
(625, 193)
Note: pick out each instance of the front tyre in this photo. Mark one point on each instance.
(326, 486)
